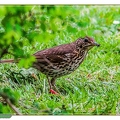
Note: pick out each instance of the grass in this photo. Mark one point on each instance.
(93, 89)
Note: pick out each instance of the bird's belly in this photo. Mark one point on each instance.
(61, 69)
(72, 67)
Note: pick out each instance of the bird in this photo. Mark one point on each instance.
(61, 60)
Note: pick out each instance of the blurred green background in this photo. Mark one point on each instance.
(93, 89)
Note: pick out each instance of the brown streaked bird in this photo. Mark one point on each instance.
(61, 60)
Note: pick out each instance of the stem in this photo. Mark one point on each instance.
(13, 107)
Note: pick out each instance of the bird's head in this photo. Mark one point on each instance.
(86, 43)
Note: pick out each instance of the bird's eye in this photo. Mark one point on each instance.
(86, 40)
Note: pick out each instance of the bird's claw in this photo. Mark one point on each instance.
(53, 92)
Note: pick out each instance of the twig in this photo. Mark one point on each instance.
(13, 107)
(10, 104)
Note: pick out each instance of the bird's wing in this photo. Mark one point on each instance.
(55, 55)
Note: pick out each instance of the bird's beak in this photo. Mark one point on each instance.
(96, 44)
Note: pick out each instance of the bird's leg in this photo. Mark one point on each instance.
(49, 82)
(53, 85)
(51, 90)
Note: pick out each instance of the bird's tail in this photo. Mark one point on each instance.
(9, 61)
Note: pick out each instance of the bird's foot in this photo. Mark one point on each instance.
(53, 92)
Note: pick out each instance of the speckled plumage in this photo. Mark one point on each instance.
(63, 59)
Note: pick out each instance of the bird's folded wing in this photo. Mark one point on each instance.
(51, 58)
(55, 55)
